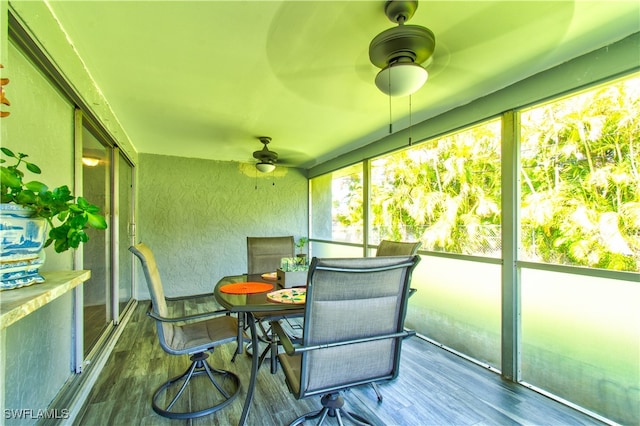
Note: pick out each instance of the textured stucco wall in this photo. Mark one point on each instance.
(196, 215)
(36, 350)
(322, 196)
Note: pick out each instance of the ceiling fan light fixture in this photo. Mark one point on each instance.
(401, 78)
(265, 167)
(90, 161)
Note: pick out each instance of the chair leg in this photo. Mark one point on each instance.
(273, 345)
(199, 366)
(308, 416)
(271, 351)
(377, 391)
(332, 406)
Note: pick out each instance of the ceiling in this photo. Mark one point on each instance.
(204, 79)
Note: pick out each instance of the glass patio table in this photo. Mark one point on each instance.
(247, 306)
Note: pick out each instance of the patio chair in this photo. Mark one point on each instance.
(397, 248)
(193, 335)
(264, 255)
(353, 330)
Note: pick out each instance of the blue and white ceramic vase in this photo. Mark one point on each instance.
(22, 239)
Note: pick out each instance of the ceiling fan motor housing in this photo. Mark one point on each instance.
(404, 41)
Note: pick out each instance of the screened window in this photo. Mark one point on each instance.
(444, 192)
(580, 206)
(578, 161)
(581, 180)
(337, 207)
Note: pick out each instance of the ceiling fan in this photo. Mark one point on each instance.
(266, 159)
(400, 51)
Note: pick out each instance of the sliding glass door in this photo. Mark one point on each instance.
(107, 180)
(96, 186)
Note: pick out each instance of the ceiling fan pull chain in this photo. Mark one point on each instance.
(410, 122)
(390, 118)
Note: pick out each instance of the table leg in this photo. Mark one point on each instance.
(240, 339)
(254, 369)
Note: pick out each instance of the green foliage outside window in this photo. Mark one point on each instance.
(581, 181)
(580, 193)
(347, 210)
(445, 193)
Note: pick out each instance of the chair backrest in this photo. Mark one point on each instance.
(349, 299)
(264, 253)
(166, 331)
(397, 248)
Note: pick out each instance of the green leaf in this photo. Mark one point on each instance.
(26, 197)
(96, 221)
(75, 209)
(63, 193)
(83, 203)
(61, 245)
(9, 177)
(78, 222)
(59, 232)
(62, 216)
(37, 187)
(92, 209)
(8, 152)
(33, 168)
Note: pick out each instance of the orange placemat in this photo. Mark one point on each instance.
(295, 296)
(246, 288)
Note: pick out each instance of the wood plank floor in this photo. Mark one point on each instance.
(435, 387)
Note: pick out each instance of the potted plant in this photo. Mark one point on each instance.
(301, 255)
(31, 207)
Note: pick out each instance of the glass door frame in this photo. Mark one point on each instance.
(114, 312)
(116, 238)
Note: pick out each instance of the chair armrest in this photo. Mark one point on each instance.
(284, 338)
(293, 349)
(192, 296)
(401, 335)
(410, 333)
(204, 315)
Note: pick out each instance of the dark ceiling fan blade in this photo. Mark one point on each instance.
(265, 155)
